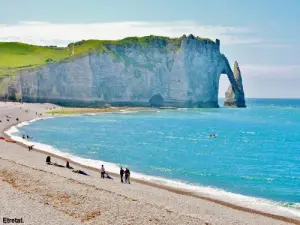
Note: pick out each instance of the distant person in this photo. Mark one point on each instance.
(23, 136)
(212, 136)
(121, 174)
(102, 170)
(127, 176)
(30, 147)
(108, 177)
(28, 137)
(68, 165)
(80, 172)
(48, 160)
(17, 119)
(56, 164)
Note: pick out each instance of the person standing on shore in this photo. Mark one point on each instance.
(102, 171)
(121, 174)
(30, 147)
(127, 176)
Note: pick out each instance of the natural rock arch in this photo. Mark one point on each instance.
(234, 96)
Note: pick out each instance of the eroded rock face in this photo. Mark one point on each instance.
(184, 76)
(157, 100)
(234, 96)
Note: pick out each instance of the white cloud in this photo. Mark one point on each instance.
(267, 81)
(45, 33)
(273, 45)
(270, 70)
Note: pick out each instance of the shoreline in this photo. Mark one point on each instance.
(175, 190)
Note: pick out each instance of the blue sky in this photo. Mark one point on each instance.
(263, 36)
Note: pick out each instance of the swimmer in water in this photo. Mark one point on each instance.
(212, 136)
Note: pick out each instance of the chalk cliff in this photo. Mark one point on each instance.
(160, 72)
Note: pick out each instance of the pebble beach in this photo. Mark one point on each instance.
(39, 193)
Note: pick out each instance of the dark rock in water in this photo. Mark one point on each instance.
(234, 96)
(156, 100)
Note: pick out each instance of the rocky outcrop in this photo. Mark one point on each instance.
(160, 72)
(234, 96)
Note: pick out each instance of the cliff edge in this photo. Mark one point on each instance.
(147, 71)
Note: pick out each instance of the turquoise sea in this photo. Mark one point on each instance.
(256, 152)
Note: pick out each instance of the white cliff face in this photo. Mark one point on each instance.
(187, 76)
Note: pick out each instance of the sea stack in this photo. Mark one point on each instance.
(235, 98)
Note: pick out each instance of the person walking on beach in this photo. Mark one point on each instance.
(48, 160)
(121, 174)
(127, 176)
(102, 171)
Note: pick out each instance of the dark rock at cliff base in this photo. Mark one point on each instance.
(234, 96)
(156, 100)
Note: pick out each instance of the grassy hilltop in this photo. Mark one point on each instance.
(15, 56)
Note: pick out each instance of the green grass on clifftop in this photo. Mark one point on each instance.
(15, 56)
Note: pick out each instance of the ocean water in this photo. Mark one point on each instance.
(256, 152)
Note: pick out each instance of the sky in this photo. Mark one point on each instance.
(262, 35)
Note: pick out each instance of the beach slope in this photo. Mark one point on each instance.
(45, 194)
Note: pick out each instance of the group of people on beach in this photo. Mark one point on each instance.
(48, 162)
(8, 118)
(103, 173)
(123, 172)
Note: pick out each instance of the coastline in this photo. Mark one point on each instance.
(177, 191)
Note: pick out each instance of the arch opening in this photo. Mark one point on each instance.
(223, 87)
